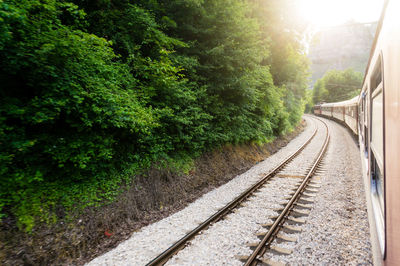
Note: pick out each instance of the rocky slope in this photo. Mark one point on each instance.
(341, 47)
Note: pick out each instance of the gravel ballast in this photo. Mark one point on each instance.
(337, 229)
(223, 241)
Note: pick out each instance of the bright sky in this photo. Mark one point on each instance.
(326, 13)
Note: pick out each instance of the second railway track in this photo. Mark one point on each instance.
(279, 171)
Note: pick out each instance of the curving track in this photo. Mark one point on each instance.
(296, 200)
(305, 159)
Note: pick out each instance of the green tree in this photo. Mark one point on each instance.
(283, 31)
(92, 89)
(225, 57)
(337, 85)
(149, 52)
(67, 106)
(309, 101)
(319, 92)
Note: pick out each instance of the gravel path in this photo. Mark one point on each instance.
(337, 230)
(151, 240)
(224, 241)
(320, 241)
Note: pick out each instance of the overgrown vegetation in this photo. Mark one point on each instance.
(94, 91)
(337, 86)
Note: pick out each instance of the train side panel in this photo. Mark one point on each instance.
(338, 112)
(380, 127)
(375, 115)
(346, 112)
(351, 117)
(391, 65)
(317, 110)
(326, 110)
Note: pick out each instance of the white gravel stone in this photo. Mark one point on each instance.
(153, 239)
(225, 240)
(337, 230)
(335, 233)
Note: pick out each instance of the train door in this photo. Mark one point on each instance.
(365, 122)
(376, 158)
(360, 118)
(356, 118)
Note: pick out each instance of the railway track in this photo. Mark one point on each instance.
(180, 244)
(257, 256)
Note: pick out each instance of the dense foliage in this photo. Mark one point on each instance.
(92, 91)
(337, 86)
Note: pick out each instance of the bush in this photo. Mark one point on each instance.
(68, 107)
(93, 92)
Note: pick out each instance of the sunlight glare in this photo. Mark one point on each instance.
(326, 13)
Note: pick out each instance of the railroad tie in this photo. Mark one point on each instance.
(290, 229)
(301, 206)
(313, 186)
(306, 201)
(293, 220)
(269, 262)
(299, 213)
(280, 251)
(284, 238)
(308, 195)
(311, 190)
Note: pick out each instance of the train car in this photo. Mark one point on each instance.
(380, 98)
(351, 114)
(317, 109)
(338, 111)
(326, 109)
(345, 112)
(375, 116)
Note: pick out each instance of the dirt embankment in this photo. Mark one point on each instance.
(154, 196)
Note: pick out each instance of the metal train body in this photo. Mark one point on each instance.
(374, 116)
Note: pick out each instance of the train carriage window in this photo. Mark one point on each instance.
(363, 102)
(376, 78)
(364, 119)
(377, 126)
(377, 174)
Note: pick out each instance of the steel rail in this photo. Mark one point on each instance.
(273, 231)
(168, 253)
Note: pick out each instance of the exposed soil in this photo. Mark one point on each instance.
(147, 201)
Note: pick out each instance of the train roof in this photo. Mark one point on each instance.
(352, 101)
